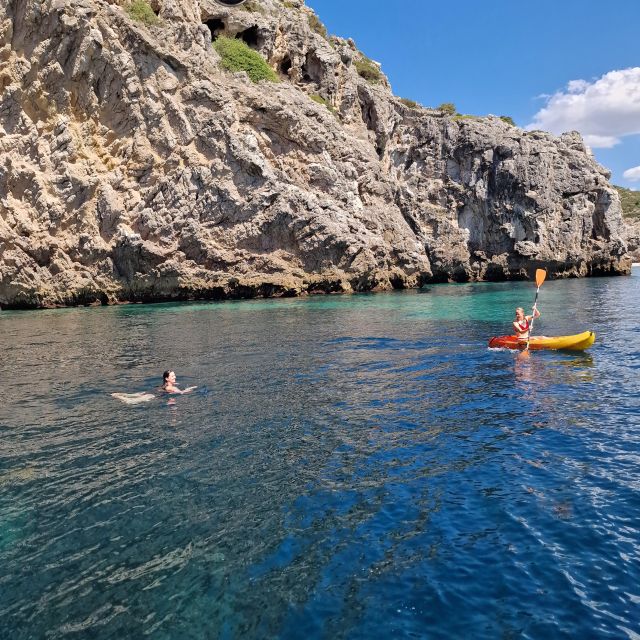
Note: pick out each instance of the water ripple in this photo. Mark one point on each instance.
(356, 467)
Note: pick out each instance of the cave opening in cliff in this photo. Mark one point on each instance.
(216, 27)
(312, 68)
(367, 108)
(251, 37)
(285, 66)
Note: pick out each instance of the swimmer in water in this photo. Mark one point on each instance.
(169, 384)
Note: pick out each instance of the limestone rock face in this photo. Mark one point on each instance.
(133, 167)
(632, 236)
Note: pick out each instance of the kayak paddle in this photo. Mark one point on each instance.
(541, 276)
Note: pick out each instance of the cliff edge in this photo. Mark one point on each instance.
(135, 167)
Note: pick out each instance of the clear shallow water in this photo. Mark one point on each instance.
(351, 467)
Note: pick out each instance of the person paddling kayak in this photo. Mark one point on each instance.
(524, 341)
(522, 323)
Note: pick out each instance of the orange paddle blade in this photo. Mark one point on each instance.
(541, 276)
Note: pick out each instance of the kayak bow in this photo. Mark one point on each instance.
(578, 342)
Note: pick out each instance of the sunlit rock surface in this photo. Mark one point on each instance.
(134, 168)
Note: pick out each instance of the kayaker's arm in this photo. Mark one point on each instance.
(536, 314)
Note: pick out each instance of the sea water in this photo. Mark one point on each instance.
(349, 467)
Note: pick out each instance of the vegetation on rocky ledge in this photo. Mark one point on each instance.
(412, 104)
(630, 201)
(449, 108)
(141, 11)
(238, 56)
(320, 100)
(317, 26)
(251, 7)
(368, 69)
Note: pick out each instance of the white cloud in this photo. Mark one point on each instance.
(632, 174)
(603, 110)
(600, 142)
(577, 86)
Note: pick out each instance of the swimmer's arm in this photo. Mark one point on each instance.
(182, 391)
(172, 390)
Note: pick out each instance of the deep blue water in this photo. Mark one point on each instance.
(350, 467)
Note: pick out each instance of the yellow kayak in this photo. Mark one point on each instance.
(578, 342)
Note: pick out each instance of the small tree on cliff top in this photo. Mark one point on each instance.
(449, 108)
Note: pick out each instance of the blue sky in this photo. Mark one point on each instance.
(513, 58)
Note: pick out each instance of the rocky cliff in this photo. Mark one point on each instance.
(630, 202)
(134, 167)
(632, 237)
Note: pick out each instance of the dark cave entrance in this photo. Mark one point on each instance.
(250, 36)
(216, 27)
(285, 66)
(312, 68)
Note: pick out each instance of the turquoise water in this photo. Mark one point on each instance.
(350, 467)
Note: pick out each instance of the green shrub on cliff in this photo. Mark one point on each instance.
(238, 56)
(630, 201)
(317, 26)
(368, 69)
(320, 100)
(449, 108)
(141, 11)
(465, 116)
(508, 120)
(412, 104)
(250, 7)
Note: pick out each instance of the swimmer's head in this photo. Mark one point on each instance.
(168, 376)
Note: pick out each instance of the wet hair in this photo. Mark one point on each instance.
(165, 376)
